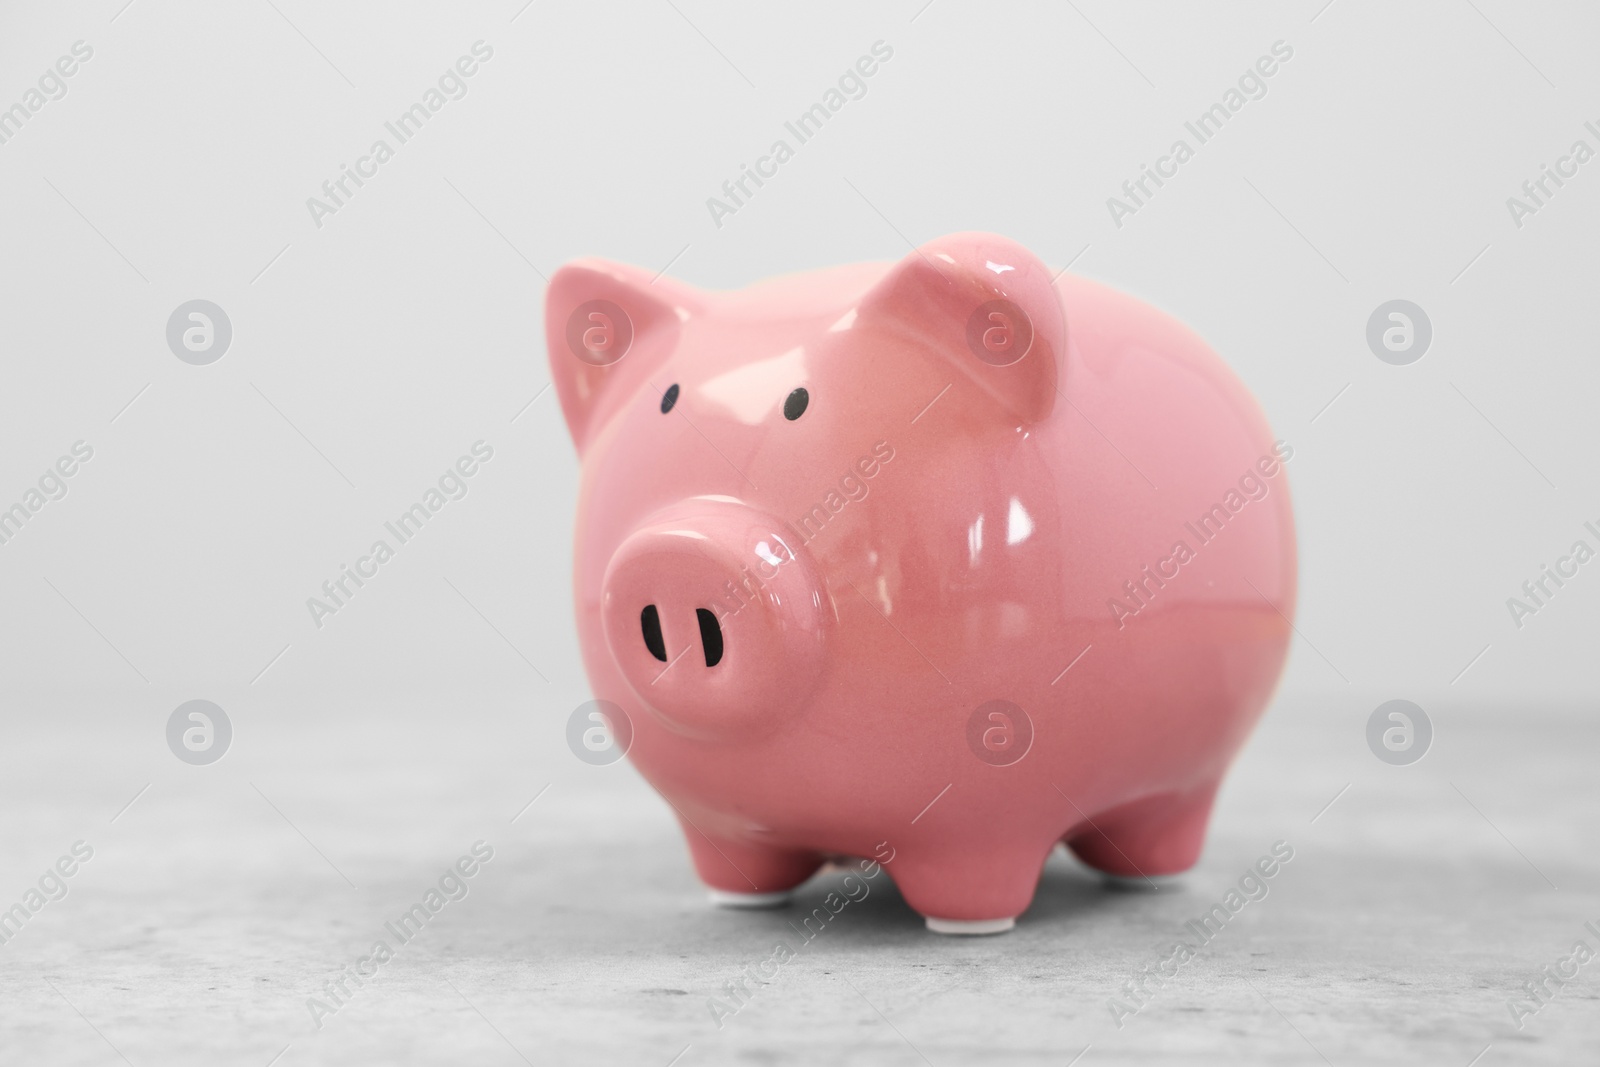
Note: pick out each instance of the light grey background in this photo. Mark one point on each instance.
(369, 353)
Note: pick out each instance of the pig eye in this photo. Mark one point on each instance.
(670, 397)
(795, 406)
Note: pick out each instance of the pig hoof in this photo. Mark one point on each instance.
(724, 898)
(1142, 883)
(969, 927)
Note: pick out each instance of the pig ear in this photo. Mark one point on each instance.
(988, 307)
(608, 327)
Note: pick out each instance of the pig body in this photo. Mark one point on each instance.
(1018, 571)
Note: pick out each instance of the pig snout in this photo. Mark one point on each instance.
(714, 613)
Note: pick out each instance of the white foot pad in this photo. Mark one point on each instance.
(1154, 882)
(969, 927)
(722, 898)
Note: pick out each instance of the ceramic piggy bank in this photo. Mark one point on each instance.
(943, 562)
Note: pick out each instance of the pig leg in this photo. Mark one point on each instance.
(965, 887)
(743, 875)
(1147, 843)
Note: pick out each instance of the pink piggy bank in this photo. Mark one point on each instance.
(940, 562)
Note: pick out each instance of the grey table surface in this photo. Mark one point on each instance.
(217, 904)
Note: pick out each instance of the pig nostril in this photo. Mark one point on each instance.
(650, 623)
(710, 636)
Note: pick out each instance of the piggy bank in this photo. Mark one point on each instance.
(943, 563)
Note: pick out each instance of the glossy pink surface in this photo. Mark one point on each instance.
(960, 513)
